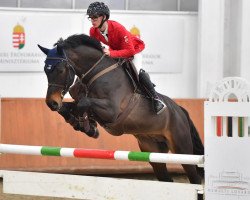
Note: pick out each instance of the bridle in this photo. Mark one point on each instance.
(70, 76)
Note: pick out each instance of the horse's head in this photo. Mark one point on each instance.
(78, 53)
(60, 74)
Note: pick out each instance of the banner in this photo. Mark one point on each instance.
(21, 31)
(170, 39)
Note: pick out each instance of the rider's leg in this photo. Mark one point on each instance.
(144, 78)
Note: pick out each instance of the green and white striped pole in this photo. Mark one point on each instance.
(102, 154)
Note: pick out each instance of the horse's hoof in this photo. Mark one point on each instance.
(94, 133)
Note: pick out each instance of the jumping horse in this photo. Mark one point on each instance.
(112, 101)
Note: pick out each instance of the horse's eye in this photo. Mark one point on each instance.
(61, 70)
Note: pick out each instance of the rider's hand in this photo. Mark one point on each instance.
(106, 51)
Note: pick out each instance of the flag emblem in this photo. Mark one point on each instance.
(18, 37)
(135, 31)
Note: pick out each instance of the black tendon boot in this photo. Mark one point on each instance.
(145, 81)
(88, 126)
(66, 110)
(77, 121)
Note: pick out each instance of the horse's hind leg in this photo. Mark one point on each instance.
(147, 144)
(161, 172)
(192, 174)
(183, 145)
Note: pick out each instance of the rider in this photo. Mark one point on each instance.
(121, 43)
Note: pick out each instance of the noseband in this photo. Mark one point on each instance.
(70, 77)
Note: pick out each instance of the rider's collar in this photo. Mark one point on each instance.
(105, 33)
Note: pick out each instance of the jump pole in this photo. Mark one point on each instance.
(102, 154)
(81, 187)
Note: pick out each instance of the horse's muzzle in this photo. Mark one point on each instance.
(54, 100)
(53, 105)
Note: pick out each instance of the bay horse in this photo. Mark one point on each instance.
(114, 104)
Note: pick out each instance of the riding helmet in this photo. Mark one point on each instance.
(98, 9)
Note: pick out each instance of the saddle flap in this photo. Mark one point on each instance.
(132, 73)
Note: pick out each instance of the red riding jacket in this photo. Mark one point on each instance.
(122, 44)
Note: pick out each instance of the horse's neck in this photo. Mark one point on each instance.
(98, 68)
(116, 80)
(84, 58)
(89, 64)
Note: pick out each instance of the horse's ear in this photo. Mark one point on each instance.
(44, 50)
(59, 50)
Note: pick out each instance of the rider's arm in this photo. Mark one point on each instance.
(126, 46)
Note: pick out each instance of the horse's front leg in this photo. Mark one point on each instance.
(103, 108)
(78, 122)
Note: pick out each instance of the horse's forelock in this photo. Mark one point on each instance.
(60, 42)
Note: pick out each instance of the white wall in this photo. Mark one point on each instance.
(183, 84)
(224, 42)
(210, 44)
(245, 40)
(29, 84)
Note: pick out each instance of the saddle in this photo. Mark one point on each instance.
(132, 73)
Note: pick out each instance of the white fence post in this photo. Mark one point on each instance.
(227, 160)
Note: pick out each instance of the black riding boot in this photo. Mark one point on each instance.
(145, 81)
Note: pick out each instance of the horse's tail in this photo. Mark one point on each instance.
(198, 147)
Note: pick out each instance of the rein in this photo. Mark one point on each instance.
(110, 68)
(99, 74)
(83, 75)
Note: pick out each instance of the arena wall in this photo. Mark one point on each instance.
(29, 121)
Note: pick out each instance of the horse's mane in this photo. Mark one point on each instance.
(76, 40)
